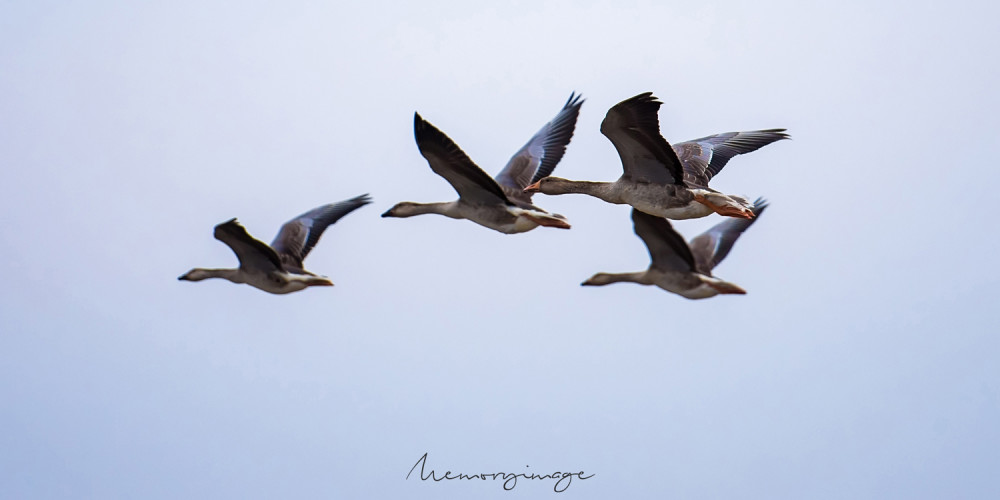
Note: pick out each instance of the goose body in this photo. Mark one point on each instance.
(660, 179)
(679, 267)
(277, 268)
(507, 219)
(500, 204)
(688, 285)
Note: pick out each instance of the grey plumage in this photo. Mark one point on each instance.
(277, 268)
(449, 161)
(667, 249)
(502, 206)
(710, 247)
(298, 236)
(633, 126)
(679, 267)
(540, 155)
(251, 252)
(704, 158)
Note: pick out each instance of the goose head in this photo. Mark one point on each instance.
(544, 185)
(404, 209)
(600, 279)
(558, 185)
(197, 274)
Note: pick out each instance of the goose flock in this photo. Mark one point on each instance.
(659, 182)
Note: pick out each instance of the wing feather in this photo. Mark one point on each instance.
(539, 157)
(298, 236)
(252, 253)
(667, 249)
(449, 161)
(634, 128)
(705, 157)
(710, 247)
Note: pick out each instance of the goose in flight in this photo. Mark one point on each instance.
(501, 204)
(679, 267)
(277, 268)
(661, 180)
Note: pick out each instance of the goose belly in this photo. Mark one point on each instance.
(692, 210)
(272, 283)
(499, 218)
(662, 202)
(687, 285)
(517, 225)
(520, 225)
(702, 291)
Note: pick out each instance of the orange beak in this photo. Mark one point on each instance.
(533, 188)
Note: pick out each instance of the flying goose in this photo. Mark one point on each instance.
(277, 268)
(679, 267)
(501, 204)
(661, 180)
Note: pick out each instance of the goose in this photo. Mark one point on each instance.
(500, 204)
(277, 268)
(679, 267)
(661, 180)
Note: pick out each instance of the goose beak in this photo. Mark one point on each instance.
(534, 188)
(388, 213)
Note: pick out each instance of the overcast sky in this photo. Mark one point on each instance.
(861, 364)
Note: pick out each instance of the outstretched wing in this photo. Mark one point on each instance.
(253, 253)
(299, 235)
(704, 158)
(710, 247)
(538, 158)
(634, 128)
(667, 249)
(449, 161)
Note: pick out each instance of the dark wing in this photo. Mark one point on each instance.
(704, 158)
(253, 253)
(299, 235)
(667, 249)
(710, 247)
(449, 161)
(634, 128)
(538, 158)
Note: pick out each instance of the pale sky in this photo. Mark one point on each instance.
(861, 364)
